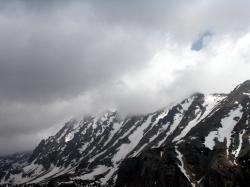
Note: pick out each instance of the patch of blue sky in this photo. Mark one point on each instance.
(199, 43)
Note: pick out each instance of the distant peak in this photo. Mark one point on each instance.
(109, 112)
(197, 94)
(244, 86)
(246, 83)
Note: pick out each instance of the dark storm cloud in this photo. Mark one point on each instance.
(50, 55)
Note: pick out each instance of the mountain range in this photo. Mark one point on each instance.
(200, 141)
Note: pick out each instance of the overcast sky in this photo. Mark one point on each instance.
(63, 59)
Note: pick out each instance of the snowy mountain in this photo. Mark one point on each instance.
(200, 141)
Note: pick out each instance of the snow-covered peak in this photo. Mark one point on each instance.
(93, 148)
(242, 89)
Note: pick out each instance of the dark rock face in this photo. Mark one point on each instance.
(12, 164)
(159, 167)
(200, 141)
(156, 168)
(222, 171)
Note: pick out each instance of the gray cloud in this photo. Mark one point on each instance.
(67, 58)
(54, 55)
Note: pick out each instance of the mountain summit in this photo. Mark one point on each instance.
(201, 141)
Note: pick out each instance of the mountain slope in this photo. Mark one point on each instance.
(214, 152)
(189, 138)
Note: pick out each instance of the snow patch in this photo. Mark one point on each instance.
(181, 166)
(210, 101)
(53, 171)
(134, 139)
(177, 119)
(236, 153)
(245, 93)
(109, 175)
(97, 171)
(69, 136)
(116, 127)
(227, 125)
